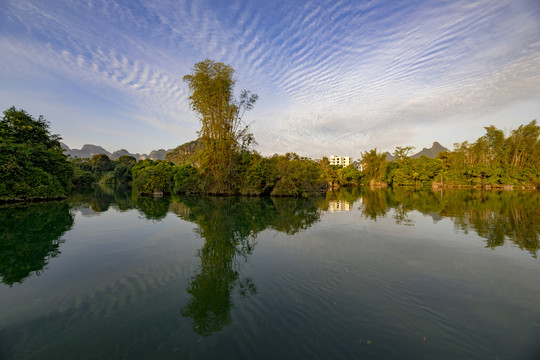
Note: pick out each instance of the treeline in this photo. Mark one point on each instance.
(491, 161)
(101, 169)
(222, 161)
(251, 174)
(34, 167)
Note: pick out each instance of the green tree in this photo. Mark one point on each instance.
(122, 169)
(401, 153)
(375, 165)
(298, 177)
(350, 174)
(150, 177)
(32, 163)
(186, 179)
(22, 128)
(101, 163)
(222, 133)
(329, 172)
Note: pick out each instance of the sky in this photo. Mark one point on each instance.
(333, 77)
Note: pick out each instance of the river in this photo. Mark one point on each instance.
(356, 274)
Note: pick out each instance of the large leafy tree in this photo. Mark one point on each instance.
(17, 126)
(32, 164)
(223, 132)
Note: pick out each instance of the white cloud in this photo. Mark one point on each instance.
(332, 75)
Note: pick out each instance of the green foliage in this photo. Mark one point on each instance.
(256, 175)
(186, 179)
(150, 177)
(349, 174)
(287, 175)
(17, 126)
(329, 172)
(101, 169)
(375, 165)
(494, 160)
(101, 163)
(491, 161)
(297, 177)
(32, 165)
(82, 177)
(416, 172)
(107, 178)
(122, 169)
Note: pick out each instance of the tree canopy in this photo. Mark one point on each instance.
(32, 164)
(17, 126)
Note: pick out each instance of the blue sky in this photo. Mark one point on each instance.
(333, 77)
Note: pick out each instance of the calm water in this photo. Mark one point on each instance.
(360, 274)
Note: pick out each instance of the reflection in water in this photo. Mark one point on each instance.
(229, 227)
(154, 208)
(493, 215)
(100, 197)
(31, 233)
(339, 205)
(342, 199)
(30, 236)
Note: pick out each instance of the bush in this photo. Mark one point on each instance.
(186, 179)
(151, 177)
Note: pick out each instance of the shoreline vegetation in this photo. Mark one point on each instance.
(222, 161)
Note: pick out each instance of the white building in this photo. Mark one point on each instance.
(340, 160)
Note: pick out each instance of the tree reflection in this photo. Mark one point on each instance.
(494, 215)
(229, 227)
(154, 208)
(30, 237)
(101, 196)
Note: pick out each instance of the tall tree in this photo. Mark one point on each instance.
(375, 165)
(222, 132)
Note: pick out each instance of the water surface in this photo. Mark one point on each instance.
(358, 274)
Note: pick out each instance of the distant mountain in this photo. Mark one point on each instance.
(158, 154)
(118, 153)
(389, 157)
(89, 150)
(184, 152)
(432, 152)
